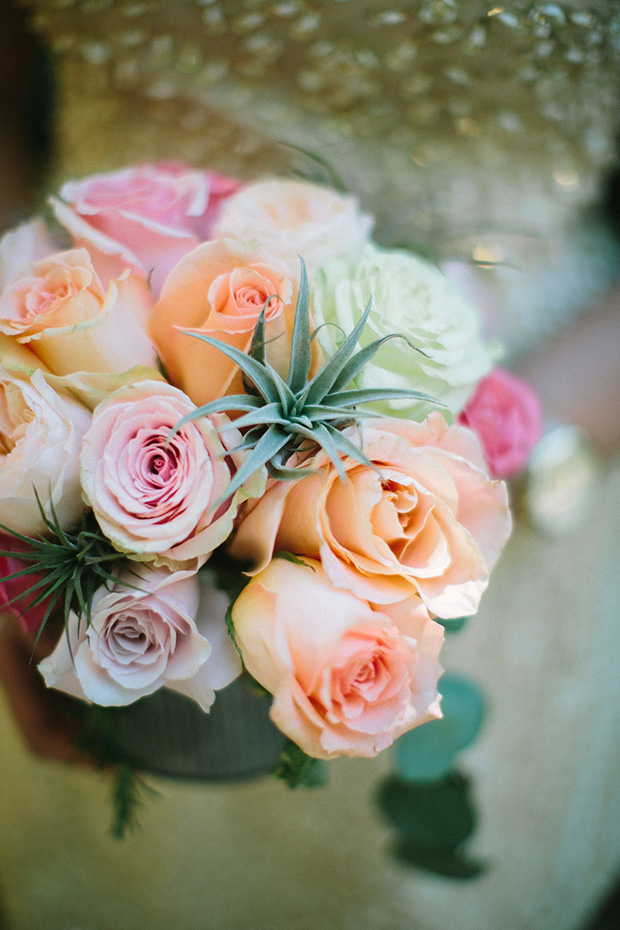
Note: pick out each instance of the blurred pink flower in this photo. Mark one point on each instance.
(506, 415)
(144, 217)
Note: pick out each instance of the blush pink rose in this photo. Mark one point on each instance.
(506, 415)
(347, 676)
(297, 217)
(157, 496)
(60, 310)
(424, 519)
(41, 433)
(145, 217)
(142, 635)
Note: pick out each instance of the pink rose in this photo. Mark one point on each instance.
(506, 415)
(142, 636)
(347, 676)
(59, 309)
(296, 217)
(144, 217)
(41, 433)
(154, 494)
(424, 520)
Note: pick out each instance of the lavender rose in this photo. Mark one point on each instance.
(143, 636)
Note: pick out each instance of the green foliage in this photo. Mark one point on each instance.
(282, 417)
(128, 793)
(454, 625)
(128, 790)
(438, 814)
(433, 821)
(298, 769)
(452, 863)
(71, 564)
(428, 752)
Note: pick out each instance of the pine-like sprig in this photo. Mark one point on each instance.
(281, 417)
(71, 564)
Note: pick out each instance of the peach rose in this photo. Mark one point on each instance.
(219, 289)
(41, 433)
(506, 415)
(61, 312)
(296, 217)
(347, 676)
(154, 494)
(424, 519)
(144, 217)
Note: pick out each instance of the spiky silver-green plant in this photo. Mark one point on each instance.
(282, 417)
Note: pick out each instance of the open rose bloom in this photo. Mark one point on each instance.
(164, 403)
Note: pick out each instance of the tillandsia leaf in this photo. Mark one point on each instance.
(286, 397)
(248, 365)
(282, 473)
(265, 449)
(294, 416)
(258, 348)
(270, 413)
(323, 173)
(371, 395)
(325, 440)
(301, 353)
(327, 413)
(357, 361)
(323, 381)
(346, 447)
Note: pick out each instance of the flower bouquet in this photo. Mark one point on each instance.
(237, 443)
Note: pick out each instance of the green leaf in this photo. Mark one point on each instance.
(298, 769)
(231, 630)
(436, 815)
(452, 863)
(428, 752)
(258, 348)
(357, 361)
(283, 473)
(452, 625)
(267, 446)
(270, 413)
(301, 353)
(325, 440)
(291, 557)
(324, 380)
(371, 395)
(248, 365)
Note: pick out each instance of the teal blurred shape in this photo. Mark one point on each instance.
(430, 816)
(427, 752)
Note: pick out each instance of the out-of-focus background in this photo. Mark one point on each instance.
(26, 147)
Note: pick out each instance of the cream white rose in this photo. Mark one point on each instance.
(411, 297)
(41, 434)
(298, 218)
